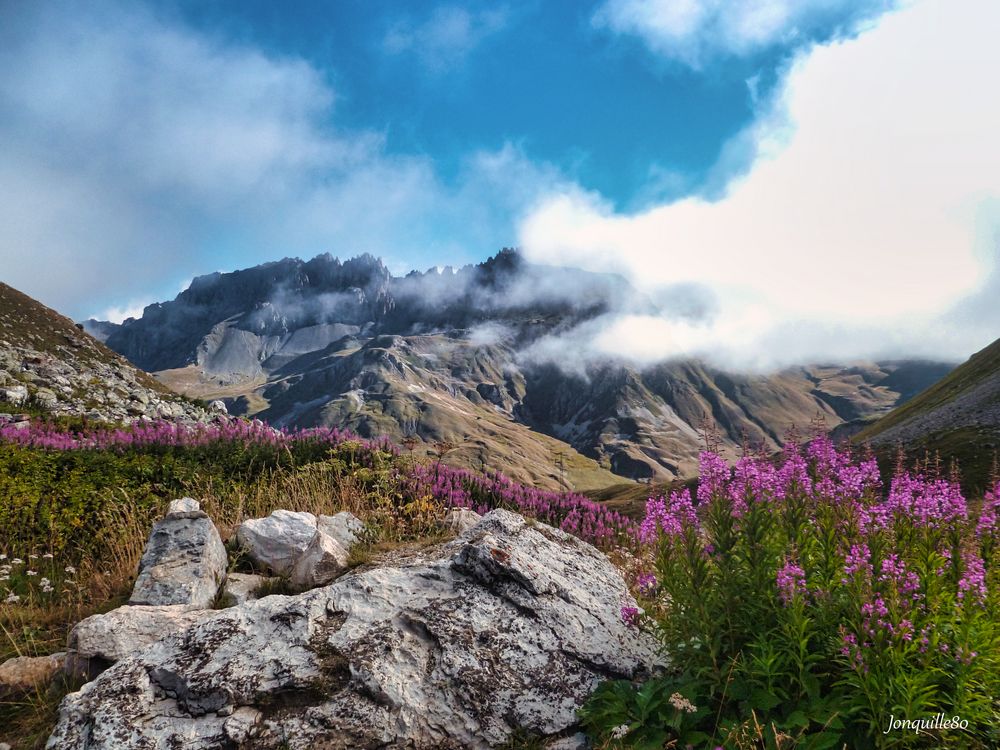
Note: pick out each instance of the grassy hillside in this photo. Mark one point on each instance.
(980, 368)
(957, 420)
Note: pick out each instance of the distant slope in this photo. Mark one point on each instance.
(48, 365)
(959, 417)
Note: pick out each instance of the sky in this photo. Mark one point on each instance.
(824, 173)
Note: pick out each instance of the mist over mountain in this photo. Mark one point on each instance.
(485, 358)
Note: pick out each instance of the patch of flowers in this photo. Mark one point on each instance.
(803, 603)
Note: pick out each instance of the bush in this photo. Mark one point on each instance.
(803, 606)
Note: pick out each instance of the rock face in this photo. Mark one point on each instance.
(277, 541)
(184, 562)
(509, 627)
(23, 674)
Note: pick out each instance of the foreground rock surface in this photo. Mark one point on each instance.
(509, 627)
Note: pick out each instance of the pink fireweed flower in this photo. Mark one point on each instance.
(857, 561)
(646, 583)
(972, 584)
(630, 616)
(713, 475)
(791, 581)
(987, 522)
(668, 517)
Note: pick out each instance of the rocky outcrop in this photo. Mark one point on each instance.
(184, 561)
(47, 363)
(508, 628)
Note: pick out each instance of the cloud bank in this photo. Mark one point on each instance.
(137, 151)
(870, 212)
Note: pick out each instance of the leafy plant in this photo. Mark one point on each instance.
(805, 606)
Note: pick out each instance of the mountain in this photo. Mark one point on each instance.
(958, 417)
(48, 365)
(450, 355)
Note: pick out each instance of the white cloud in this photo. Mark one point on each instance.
(116, 314)
(696, 31)
(446, 37)
(869, 212)
(138, 151)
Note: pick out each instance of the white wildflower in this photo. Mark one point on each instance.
(31, 572)
(70, 569)
(47, 556)
(681, 703)
(17, 561)
(619, 731)
(12, 598)
(3, 555)
(32, 557)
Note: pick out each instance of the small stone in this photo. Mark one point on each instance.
(218, 407)
(461, 520)
(323, 560)
(242, 587)
(185, 507)
(24, 674)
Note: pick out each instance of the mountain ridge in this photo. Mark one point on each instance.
(437, 355)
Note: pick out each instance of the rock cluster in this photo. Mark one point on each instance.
(508, 628)
(310, 550)
(73, 386)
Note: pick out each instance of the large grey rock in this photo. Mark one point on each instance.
(100, 640)
(510, 627)
(277, 541)
(184, 561)
(346, 528)
(25, 674)
(323, 560)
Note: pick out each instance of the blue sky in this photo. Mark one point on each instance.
(668, 140)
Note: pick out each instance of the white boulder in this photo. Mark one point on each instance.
(277, 541)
